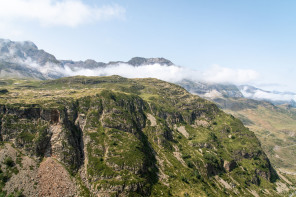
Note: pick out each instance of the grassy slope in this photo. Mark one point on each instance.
(276, 129)
(222, 136)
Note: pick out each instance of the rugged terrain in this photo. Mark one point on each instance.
(274, 125)
(112, 136)
(212, 90)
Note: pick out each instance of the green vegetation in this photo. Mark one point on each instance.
(6, 173)
(9, 162)
(135, 137)
(275, 127)
(3, 91)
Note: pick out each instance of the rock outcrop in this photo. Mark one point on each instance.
(142, 138)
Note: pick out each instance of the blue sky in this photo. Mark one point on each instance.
(234, 34)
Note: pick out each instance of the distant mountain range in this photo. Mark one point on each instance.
(275, 97)
(215, 91)
(25, 60)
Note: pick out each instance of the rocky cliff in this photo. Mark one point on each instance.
(112, 136)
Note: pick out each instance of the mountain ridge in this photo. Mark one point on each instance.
(273, 122)
(120, 136)
(30, 62)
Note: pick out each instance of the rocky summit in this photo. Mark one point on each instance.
(113, 136)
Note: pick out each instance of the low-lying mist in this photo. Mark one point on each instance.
(215, 74)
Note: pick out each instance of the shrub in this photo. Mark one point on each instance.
(184, 179)
(9, 162)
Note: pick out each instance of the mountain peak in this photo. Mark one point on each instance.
(17, 44)
(138, 61)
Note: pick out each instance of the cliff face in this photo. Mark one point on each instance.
(111, 136)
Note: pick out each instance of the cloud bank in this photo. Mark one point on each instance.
(69, 13)
(266, 95)
(216, 74)
(166, 73)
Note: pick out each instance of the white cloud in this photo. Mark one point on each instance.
(57, 12)
(265, 95)
(216, 74)
(219, 74)
(166, 73)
